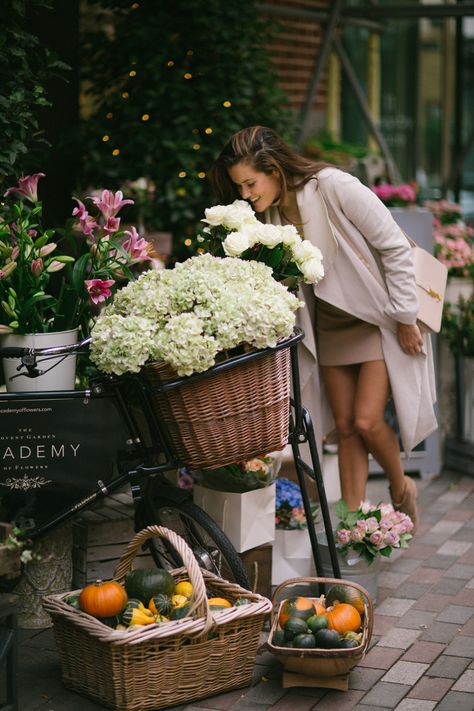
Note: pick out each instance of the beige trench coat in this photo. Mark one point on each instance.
(368, 273)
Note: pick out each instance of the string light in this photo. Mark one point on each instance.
(190, 52)
(227, 104)
(188, 242)
(109, 115)
(182, 174)
(135, 6)
(132, 73)
(170, 63)
(145, 117)
(208, 130)
(201, 174)
(105, 138)
(181, 192)
(196, 146)
(125, 95)
(188, 75)
(200, 250)
(115, 152)
(195, 130)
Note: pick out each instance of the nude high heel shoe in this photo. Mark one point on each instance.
(407, 504)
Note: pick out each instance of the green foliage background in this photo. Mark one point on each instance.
(190, 57)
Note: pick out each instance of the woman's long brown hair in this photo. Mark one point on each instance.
(263, 149)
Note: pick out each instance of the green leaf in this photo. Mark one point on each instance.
(341, 509)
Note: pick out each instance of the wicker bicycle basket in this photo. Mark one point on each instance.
(161, 665)
(228, 416)
(321, 662)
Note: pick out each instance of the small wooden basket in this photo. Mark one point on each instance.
(166, 664)
(228, 416)
(321, 662)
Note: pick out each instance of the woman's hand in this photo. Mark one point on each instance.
(409, 337)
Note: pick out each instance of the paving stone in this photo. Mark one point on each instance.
(424, 652)
(417, 619)
(458, 515)
(412, 591)
(468, 557)
(453, 497)
(405, 565)
(456, 700)
(431, 688)
(461, 646)
(442, 561)
(382, 624)
(445, 526)
(399, 638)
(431, 602)
(468, 628)
(381, 657)
(470, 584)
(364, 679)
(443, 632)
(448, 586)
(394, 606)
(421, 552)
(386, 695)
(456, 613)
(392, 580)
(268, 693)
(452, 547)
(466, 572)
(339, 700)
(294, 702)
(464, 597)
(415, 705)
(451, 667)
(426, 575)
(405, 672)
(465, 682)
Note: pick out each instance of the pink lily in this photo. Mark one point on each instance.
(80, 211)
(27, 186)
(112, 224)
(138, 248)
(99, 289)
(36, 266)
(109, 203)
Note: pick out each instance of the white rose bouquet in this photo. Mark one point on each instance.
(234, 231)
(190, 316)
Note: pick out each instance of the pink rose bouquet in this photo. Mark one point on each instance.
(372, 530)
(395, 195)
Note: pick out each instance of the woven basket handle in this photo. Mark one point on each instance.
(331, 581)
(199, 603)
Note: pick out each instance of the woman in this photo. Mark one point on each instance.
(359, 321)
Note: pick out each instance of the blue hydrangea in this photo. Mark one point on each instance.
(287, 490)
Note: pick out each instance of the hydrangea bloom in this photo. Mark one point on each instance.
(188, 315)
(289, 510)
(371, 530)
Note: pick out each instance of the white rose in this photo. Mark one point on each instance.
(215, 215)
(306, 250)
(238, 214)
(235, 243)
(290, 235)
(312, 270)
(269, 235)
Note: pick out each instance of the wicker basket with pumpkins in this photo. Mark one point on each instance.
(321, 636)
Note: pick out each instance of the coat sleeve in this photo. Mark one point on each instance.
(360, 206)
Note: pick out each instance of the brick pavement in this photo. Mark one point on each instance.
(422, 648)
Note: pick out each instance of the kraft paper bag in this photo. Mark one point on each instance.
(247, 519)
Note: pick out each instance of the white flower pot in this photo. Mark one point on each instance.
(459, 286)
(61, 373)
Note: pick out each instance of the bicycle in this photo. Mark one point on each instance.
(147, 456)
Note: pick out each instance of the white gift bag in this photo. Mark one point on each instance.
(247, 519)
(292, 556)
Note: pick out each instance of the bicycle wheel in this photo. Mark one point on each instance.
(211, 547)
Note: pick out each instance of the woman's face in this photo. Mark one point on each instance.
(259, 189)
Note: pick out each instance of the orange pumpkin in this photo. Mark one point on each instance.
(103, 598)
(343, 618)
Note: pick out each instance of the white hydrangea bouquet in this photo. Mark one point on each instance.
(192, 315)
(234, 231)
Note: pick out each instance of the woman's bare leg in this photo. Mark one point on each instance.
(373, 391)
(341, 387)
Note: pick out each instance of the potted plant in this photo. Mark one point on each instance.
(240, 497)
(362, 537)
(54, 280)
(292, 555)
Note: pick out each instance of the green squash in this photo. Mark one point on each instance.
(346, 593)
(278, 638)
(294, 626)
(327, 639)
(304, 641)
(145, 583)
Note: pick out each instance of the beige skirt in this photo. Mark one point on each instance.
(343, 339)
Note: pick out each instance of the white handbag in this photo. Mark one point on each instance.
(431, 277)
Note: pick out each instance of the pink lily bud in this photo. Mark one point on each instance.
(37, 266)
(55, 266)
(7, 270)
(47, 249)
(5, 329)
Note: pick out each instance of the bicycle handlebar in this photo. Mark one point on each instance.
(21, 352)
